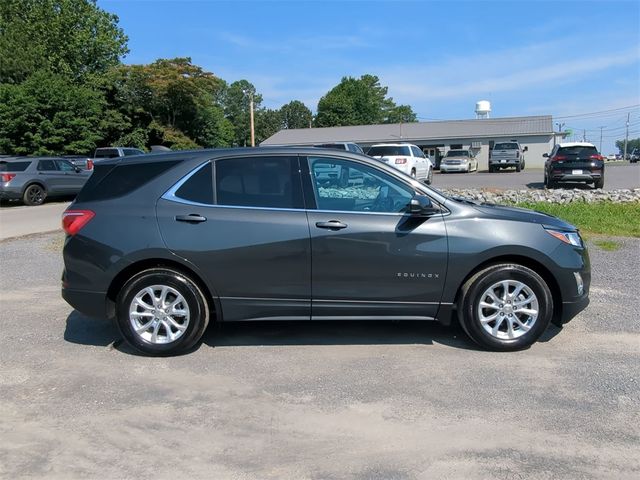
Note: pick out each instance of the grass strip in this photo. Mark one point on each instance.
(601, 218)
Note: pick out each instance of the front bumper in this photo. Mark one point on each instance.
(571, 309)
(454, 168)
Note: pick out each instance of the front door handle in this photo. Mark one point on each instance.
(332, 225)
(192, 218)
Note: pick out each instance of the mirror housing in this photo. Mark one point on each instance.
(545, 155)
(525, 149)
(78, 169)
(422, 205)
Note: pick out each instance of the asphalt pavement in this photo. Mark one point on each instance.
(356, 400)
(18, 220)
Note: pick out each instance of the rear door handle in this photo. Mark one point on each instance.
(332, 225)
(192, 218)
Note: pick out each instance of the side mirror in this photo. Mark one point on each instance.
(77, 169)
(525, 149)
(545, 155)
(421, 205)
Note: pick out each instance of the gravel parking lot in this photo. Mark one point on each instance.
(617, 176)
(319, 401)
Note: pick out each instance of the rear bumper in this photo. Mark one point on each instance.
(507, 163)
(588, 177)
(10, 193)
(92, 304)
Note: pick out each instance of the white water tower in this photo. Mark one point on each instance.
(483, 109)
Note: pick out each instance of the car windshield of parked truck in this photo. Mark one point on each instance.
(389, 151)
(457, 153)
(13, 166)
(505, 146)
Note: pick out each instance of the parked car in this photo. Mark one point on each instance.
(459, 161)
(611, 157)
(507, 155)
(348, 146)
(634, 156)
(81, 161)
(113, 152)
(574, 162)
(406, 157)
(166, 243)
(34, 179)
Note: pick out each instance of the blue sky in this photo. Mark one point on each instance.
(562, 58)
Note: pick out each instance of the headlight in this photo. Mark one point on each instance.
(572, 238)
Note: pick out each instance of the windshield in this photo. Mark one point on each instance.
(389, 151)
(506, 146)
(457, 153)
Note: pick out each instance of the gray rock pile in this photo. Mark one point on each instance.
(549, 196)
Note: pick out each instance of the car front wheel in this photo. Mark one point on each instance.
(505, 307)
(161, 312)
(429, 177)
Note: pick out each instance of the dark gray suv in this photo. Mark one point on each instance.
(166, 243)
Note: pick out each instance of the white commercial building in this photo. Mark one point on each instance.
(436, 138)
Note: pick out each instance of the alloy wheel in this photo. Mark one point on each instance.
(508, 309)
(159, 314)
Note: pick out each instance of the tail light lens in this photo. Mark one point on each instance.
(558, 158)
(596, 157)
(401, 161)
(74, 220)
(89, 164)
(6, 177)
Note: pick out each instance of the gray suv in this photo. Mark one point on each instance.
(166, 243)
(32, 180)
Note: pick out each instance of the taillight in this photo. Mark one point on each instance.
(89, 164)
(596, 157)
(401, 161)
(6, 177)
(558, 158)
(74, 220)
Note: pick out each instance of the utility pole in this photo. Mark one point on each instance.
(600, 150)
(560, 125)
(584, 134)
(253, 134)
(626, 139)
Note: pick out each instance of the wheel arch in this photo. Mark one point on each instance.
(34, 182)
(132, 269)
(525, 261)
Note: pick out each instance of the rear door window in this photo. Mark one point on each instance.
(417, 152)
(14, 166)
(268, 182)
(47, 166)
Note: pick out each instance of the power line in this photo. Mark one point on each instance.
(599, 112)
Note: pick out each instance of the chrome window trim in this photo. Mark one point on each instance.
(171, 193)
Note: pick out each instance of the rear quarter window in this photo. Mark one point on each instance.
(199, 187)
(14, 166)
(112, 181)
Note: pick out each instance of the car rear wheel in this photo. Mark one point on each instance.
(429, 177)
(505, 307)
(161, 312)
(599, 183)
(34, 195)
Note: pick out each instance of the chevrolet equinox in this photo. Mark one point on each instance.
(166, 243)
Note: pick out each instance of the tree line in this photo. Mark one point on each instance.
(65, 90)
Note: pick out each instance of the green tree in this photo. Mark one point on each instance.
(295, 114)
(267, 122)
(236, 109)
(401, 114)
(359, 101)
(73, 38)
(631, 144)
(48, 114)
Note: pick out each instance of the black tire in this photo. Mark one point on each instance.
(599, 183)
(192, 294)
(429, 178)
(518, 167)
(34, 195)
(491, 169)
(475, 287)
